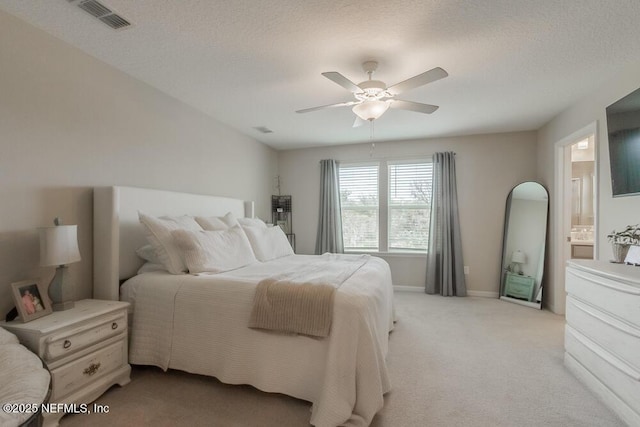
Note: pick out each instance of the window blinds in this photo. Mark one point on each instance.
(360, 202)
(409, 205)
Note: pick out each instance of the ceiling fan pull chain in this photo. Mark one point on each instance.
(373, 144)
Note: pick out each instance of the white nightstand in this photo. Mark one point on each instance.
(85, 348)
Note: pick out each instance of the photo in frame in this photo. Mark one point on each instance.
(31, 299)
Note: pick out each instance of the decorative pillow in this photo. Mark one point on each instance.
(7, 337)
(148, 254)
(214, 251)
(158, 232)
(268, 243)
(252, 222)
(215, 223)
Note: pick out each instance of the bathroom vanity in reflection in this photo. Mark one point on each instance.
(582, 249)
(523, 244)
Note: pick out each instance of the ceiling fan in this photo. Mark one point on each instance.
(373, 97)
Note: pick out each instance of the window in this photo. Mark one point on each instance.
(359, 200)
(386, 206)
(409, 206)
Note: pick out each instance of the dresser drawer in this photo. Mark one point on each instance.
(72, 340)
(617, 337)
(605, 368)
(620, 300)
(80, 372)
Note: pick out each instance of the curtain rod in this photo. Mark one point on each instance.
(407, 157)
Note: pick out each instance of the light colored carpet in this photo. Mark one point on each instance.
(452, 361)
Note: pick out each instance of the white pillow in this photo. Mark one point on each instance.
(214, 251)
(148, 254)
(268, 243)
(149, 267)
(158, 231)
(214, 223)
(252, 222)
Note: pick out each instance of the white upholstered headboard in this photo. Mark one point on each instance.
(117, 233)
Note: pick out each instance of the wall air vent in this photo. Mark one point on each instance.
(102, 12)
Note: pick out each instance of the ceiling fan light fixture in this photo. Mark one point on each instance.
(372, 88)
(370, 110)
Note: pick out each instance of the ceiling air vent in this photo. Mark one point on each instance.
(115, 21)
(263, 129)
(102, 12)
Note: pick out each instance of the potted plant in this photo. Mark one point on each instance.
(622, 240)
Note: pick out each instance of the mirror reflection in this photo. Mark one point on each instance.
(523, 244)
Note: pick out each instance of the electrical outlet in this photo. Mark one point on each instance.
(466, 270)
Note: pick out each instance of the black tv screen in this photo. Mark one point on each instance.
(623, 125)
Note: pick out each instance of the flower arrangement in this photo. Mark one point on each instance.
(629, 236)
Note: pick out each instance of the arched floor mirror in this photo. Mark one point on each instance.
(524, 244)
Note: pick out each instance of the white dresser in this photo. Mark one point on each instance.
(85, 348)
(602, 334)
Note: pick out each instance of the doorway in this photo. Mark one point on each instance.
(576, 200)
(582, 198)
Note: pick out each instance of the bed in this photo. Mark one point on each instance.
(199, 323)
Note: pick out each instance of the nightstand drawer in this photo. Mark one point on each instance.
(70, 341)
(85, 370)
(85, 349)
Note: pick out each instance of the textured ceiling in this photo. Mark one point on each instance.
(513, 64)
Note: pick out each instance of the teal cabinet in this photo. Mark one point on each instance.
(521, 287)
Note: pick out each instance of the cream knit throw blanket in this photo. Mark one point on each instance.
(301, 301)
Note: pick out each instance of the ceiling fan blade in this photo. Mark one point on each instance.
(414, 106)
(419, 80)
(336, 77)
(340, 104)
(359, 122)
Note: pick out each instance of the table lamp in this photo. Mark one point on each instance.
(59, 246)
(518, 258)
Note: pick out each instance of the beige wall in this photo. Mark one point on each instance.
(68, 122)
(488, 166)
(613, 213)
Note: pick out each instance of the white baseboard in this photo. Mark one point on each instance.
(483, 294)
(408, 288)
(552, 308)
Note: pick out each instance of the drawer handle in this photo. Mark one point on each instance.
(92, 369)
(114, 326)
(66, 344)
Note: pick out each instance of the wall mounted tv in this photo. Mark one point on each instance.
(623, 125)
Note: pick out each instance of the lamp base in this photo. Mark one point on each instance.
(62, 306)
(61, 290)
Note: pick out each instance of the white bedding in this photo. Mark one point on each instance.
(199, 324)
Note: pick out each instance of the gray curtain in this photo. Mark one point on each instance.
(445, 267)
(329, 237)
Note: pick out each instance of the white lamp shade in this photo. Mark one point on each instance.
(370, 110)
(519, 257)
(59, 245)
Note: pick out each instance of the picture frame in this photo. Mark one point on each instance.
(31, 299)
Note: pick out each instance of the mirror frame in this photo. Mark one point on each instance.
(540, 270)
